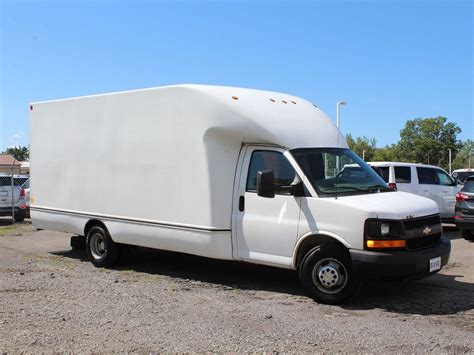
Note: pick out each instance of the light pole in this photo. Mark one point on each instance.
(338, 114)
(363, 154)
(338, 125)
(449, 161)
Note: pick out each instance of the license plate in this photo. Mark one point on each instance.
(435, 264)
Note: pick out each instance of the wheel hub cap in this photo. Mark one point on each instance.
(97, 246)
(328, 276)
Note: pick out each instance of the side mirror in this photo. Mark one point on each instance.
(266, 183)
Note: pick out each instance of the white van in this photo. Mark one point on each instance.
(424, 180)
(226, 173)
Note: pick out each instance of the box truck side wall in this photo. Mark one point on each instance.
(162, 157)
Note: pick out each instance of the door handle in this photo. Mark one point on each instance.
(241, 203)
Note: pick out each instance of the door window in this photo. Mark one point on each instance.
(443, 178)
(269, 160)
(427, 176)
(402, 174)
(383, 172)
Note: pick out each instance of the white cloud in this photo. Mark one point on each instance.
(15, 137)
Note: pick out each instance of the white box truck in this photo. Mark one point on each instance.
(225, 173)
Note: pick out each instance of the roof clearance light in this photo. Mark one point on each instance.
(31, 107)
(284, 101)
(272, 100)
(235, 97)
(294, 103)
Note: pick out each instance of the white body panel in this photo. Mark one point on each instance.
(159, 158)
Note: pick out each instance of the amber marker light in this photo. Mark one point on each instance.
(386, 244)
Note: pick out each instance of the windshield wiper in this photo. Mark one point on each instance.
(354, 188)
(378, 187)
(342, 188)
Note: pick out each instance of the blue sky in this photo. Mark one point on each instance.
(391, 60)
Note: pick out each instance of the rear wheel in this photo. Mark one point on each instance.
(327, 275)
(101, 249)
(20, 216)
(467, 234)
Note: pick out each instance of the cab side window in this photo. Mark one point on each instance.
(427, 176)
(402, 174)
(443, 178)
(269, 160)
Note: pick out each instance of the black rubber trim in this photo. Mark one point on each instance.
(399, 264)
(465, 223)
(130, 220)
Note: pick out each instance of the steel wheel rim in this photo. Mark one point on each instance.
(97, 246)
(329, 275)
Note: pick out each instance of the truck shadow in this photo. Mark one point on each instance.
(437, 295)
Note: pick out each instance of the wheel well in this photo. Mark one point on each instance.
(91, 223)
(312, 241)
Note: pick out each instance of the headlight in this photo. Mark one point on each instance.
(381, 234)
(384, 229)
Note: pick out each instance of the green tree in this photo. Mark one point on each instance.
(361, 144)
(427, 140)
(388, 153)
(461, 160)
(20, 153)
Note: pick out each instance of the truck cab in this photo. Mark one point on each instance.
(295, 208)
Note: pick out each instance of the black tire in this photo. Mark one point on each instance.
(20, 216)
(327, 275)
(78, 242)
(467, 234)
(101, 250)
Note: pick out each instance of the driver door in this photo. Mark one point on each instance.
(266, 228)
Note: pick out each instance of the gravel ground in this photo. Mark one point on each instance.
(52, 299)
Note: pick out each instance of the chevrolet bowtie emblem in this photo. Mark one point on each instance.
(426, 230)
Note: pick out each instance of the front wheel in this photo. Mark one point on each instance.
(327, 275)
(101, 249)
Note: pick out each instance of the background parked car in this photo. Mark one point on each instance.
(464, 217)
(26, 187)
(424, 180)
(461, 175)
(9, 193)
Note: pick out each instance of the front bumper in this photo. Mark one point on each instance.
(400, 264)
(7, 211)
(464, 223)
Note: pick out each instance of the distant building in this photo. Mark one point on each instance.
(9, 164)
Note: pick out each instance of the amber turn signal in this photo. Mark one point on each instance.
(381, 244)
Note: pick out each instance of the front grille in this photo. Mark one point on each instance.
(415, 231)
(421, 222)
(423, 242)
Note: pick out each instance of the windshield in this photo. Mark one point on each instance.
(462, 175)
(338, 171)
